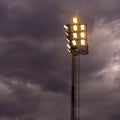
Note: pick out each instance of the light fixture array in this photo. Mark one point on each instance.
(76, 35)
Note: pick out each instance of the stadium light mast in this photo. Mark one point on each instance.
(76, 35)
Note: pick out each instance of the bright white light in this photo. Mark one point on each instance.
(82, 27)
(66, 27)
(75, 20)
(68, 46)
(67, 40)
(74, 35)
(83, 42)
(74, 43)
(75, 28)
(66, 33)
(82, 35)
(68, 50)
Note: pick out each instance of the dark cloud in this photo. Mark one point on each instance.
(35, 68)
(93, 10)
(36, 19)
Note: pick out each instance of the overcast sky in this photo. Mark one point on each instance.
(35, 67)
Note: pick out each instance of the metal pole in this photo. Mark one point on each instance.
(73, 88)
(78, 87)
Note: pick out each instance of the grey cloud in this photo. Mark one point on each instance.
(28, 101)
(99, 98)
(30, 19)
(24, 60)
(32, 53)
(93, 10)
(22, 100)
(24, 30)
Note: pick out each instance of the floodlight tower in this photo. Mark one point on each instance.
(76, 35)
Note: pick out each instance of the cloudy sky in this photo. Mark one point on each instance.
(35, 68)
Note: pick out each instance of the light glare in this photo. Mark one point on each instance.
(67, 39)
(82, 35)
(74, 42)
(82, 27)
(68, 50)
(74, 35)
(75, 20)
(82, 42)
(66, 33)
(66, 27)
(68, 46)
(75, 28)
